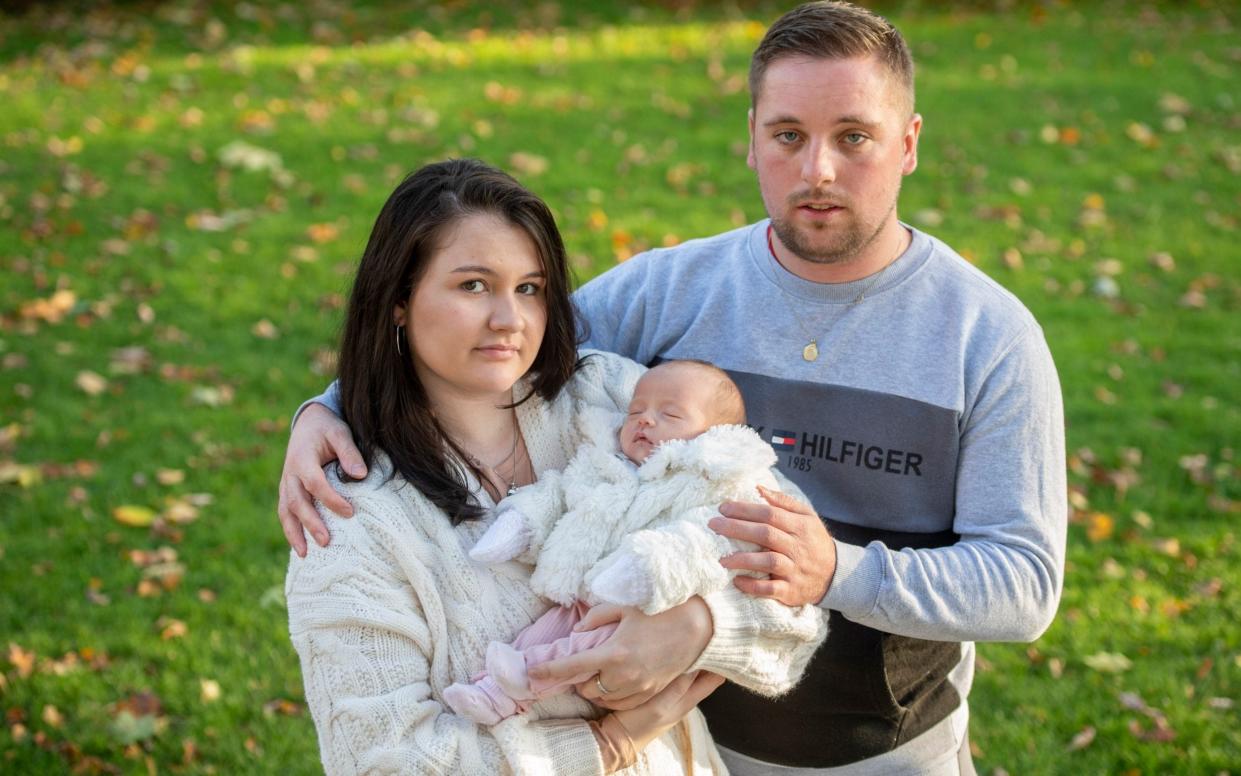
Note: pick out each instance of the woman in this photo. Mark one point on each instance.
(460, 379)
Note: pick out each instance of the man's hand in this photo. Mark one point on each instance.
(643, 656)
(798, 555)
(317, 438)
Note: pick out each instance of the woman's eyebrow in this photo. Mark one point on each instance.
(482, 270)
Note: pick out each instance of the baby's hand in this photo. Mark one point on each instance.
(508, 537)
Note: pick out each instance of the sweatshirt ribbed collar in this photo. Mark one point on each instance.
(906, 264)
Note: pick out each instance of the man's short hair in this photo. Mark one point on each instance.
(728, 406)
(830, 29)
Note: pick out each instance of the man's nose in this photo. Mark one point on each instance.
(819, 166)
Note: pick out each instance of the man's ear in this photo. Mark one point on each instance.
(910, 152)
(749, 157)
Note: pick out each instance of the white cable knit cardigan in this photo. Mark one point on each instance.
(393, 611)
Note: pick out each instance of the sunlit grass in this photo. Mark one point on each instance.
(1085, 156)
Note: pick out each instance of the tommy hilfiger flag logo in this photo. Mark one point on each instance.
(783, 440)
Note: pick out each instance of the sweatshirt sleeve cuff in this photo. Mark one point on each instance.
(855, 586)
(329, 398)
(729, 651)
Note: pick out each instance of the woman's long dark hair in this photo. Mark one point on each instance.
(382, 399)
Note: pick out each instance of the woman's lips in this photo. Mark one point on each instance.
(499, 352)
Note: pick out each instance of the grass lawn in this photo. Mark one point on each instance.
(185, 188)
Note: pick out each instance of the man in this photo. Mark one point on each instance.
(911, 398)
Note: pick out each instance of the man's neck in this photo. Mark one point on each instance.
(887, 246)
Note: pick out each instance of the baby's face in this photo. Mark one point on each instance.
(668, 403)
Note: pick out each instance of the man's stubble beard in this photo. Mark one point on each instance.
(855, 240)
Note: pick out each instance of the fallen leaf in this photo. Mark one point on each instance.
(169, 476)
(209, 690)
(1170, 547)
(134, 516)
(1083, 739)
(141, 704)
(1160, 732)
(322, 233)
(212, 396)
(22, 475)
(130, 361)
(52, 716)
(244, 156)
(180, 511)
(265, 329)
(528, 164)
(50, 310)
(91, 383)
(147, 558)
(170, 628)
(273, 596)
(22, 660)
(1108, 662)
(128, 728)
(1100, 527)
(282, 706)
(1141, 134)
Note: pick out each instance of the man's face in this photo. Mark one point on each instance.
(830, 140)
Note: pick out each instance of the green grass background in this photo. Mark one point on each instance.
(1086, 155)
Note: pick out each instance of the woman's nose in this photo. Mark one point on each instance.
(506, 314)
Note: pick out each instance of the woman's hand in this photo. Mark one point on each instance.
(643, 656)
(645, 723)
(317, 438)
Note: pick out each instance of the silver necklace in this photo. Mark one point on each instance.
(492, 470)
(811, 351)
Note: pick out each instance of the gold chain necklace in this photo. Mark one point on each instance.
(811, 351)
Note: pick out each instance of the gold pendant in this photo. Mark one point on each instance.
(811, 351)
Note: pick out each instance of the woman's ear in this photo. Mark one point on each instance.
(398, 314)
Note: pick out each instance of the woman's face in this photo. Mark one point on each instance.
(475, 320)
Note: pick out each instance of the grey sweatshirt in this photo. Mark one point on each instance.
(928, 434)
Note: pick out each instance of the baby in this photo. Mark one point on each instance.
(626, 527)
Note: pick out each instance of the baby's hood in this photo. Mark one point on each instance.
(720, 453)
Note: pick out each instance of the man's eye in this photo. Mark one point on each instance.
(855, 138)
(788, 136)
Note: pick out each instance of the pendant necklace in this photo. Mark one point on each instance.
(811, 351)
(491, 471)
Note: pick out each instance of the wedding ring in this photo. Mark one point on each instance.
(602, 690)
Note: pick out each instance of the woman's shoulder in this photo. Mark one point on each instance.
(382, 500)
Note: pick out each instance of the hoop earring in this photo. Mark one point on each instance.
(400, 335)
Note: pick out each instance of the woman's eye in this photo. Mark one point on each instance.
(474, 286)
(529, 289)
